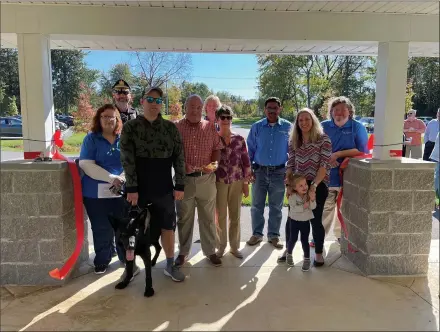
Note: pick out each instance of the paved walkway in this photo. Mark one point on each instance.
(255, 293)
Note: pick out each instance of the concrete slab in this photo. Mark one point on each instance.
(255, 293)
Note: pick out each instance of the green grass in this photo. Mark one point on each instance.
(247, 201)
(71, 145)
(245, 123)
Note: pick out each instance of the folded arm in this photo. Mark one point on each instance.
(128, 158)
(96, 172)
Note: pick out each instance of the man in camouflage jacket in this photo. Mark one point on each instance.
(150, 147)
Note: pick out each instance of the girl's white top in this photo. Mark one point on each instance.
(297, 211)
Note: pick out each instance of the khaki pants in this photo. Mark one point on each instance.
(329, 215)
(414, 150)
(228, 201)
(200, 191)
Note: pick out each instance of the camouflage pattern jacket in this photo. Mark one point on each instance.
(148, 152)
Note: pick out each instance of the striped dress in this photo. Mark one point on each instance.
(309, 157)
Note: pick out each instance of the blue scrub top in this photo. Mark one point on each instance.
(108, 156)
(352, 135)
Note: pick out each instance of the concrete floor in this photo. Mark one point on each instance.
(250, 294)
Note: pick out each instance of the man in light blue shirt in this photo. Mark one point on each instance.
(268, 143)
(435, 156)
(431, 132)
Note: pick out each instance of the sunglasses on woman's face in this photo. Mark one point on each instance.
(225, 117)
(151, 100)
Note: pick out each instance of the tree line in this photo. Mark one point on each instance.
(299, 81)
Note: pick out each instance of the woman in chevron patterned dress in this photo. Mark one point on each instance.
(310, 150)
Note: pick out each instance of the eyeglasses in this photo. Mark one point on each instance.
(122, 92)
(108, 118)
(272, 109)
(225, 117)
(151, 100)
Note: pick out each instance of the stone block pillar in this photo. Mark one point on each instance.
(387, 207)
(38, 230)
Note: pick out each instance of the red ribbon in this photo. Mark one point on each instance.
(56, 273)
(342, 167)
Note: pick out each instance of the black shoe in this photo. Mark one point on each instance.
(100, 269)
(282, 258)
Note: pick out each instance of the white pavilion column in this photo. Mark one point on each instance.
(392, 64)
(37, 108)
(387, 204)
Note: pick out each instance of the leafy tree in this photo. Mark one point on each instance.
(176, 112)
(188, 89)
(84, 114)
(12, 106)
(9, 73)
(408, 97)
(68, 72)
(424, 74)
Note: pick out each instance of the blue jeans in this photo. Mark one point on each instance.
(98, 210)
(267, 182)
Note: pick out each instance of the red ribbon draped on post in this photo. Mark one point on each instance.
(60, 274)
(342, 167)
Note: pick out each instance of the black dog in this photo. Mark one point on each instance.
(137, 233)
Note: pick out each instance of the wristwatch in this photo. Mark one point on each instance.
(314, 184)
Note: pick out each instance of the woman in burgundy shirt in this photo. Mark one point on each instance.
(233, 172)
(309, 155)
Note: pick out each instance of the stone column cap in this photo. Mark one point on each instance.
(401, 163)
(23, 164)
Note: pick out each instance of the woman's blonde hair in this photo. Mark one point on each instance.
(293, 179)
(341, 100)
(211, 98)
(316, 132)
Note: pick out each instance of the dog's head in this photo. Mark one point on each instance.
(127, 228)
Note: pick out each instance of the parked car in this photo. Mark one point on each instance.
(13, 127)
(10, 126)
(67, 119)
(368, 123)
(425, 119)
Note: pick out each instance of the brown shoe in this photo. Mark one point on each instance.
(180, 260)
(236, 253)
(276, 243)
(215, 260)
(254, 240)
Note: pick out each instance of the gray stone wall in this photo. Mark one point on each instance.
(387, 207)
(38, 231)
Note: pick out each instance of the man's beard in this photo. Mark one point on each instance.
(122, 105)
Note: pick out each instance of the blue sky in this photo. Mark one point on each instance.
(235, 73)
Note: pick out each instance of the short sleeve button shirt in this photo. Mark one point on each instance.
(106, 155)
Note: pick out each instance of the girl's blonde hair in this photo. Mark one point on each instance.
(293, 179)
(316, 132)
(211, 98)
(341, 100)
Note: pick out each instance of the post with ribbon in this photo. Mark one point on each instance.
(61, 273)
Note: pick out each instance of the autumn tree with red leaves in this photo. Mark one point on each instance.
(84, 114)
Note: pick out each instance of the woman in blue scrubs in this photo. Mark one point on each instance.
(100, 160)
(349, 138)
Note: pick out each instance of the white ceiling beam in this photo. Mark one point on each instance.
(196, 23)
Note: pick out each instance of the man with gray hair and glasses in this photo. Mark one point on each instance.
(202, 147)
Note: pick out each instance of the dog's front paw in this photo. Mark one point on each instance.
(121, 285)
(149, 292)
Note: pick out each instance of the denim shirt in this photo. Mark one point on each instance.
(268, 145)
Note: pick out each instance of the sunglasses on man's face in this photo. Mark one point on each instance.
(225, 117)
(151, 100)
(122, 92)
